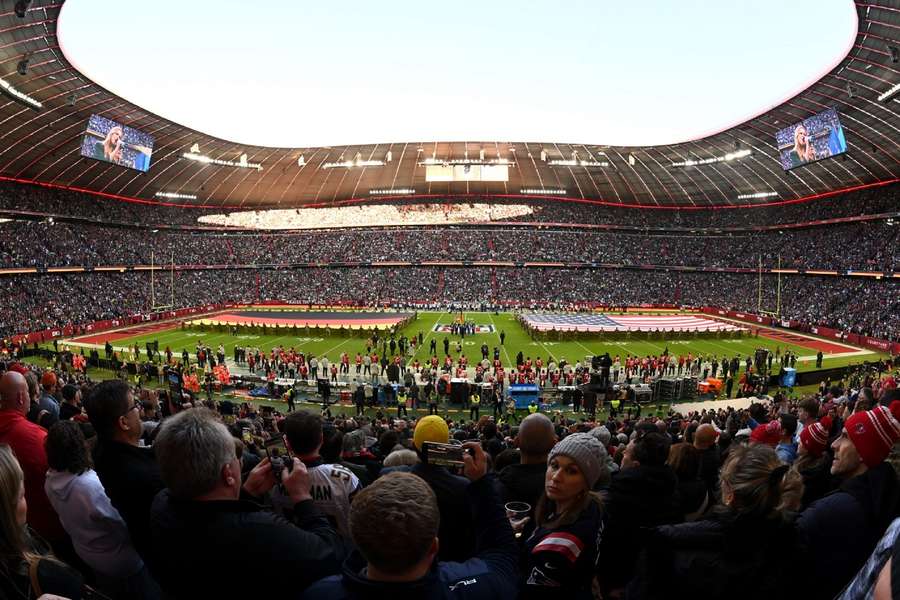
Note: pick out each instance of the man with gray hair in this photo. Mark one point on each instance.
(206, 516)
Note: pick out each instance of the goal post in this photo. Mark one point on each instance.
(154, 307)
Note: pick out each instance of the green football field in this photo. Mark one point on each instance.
(516, 339)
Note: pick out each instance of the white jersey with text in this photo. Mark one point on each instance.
(332, 488)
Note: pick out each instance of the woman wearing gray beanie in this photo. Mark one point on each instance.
(561, 554)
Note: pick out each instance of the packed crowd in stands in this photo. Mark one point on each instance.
(862, 246)
(114, 491)
(857, 305)
(877, 200)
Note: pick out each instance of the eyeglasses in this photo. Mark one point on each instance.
(136, 406)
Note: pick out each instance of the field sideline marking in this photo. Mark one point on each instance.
(509, 361)
(425, 339)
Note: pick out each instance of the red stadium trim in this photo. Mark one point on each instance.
(352, 201)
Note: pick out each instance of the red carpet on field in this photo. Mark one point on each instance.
(299, 318)
(800, 340)
(112, 336)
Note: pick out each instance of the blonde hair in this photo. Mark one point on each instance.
(810, 152)
(760, 483)
(108, 147)
(12, 534)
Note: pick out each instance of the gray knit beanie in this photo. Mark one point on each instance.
(587, 452)
(602, 434)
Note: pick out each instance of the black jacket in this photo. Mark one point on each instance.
(523, 483)
(639, 497)
(130, 475)
(838, 532)
(456, 530)
(491, 573)
(721, 557)
(195, 542)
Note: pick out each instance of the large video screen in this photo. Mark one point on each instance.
(115, 143)
(820, 136)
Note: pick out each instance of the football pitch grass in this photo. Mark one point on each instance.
(516, 339)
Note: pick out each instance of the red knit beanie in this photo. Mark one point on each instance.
(767, 433)
(874, 432)
(815, 437)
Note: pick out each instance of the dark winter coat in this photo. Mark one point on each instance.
(838, 532)
(720, 557)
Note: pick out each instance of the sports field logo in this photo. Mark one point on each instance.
(442, 328)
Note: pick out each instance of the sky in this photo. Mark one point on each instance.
(303, 74)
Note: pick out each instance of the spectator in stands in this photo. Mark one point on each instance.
(813, 460)
(20, 549)
(27, 441)
(332, 444)
(524, 481)
(48, 401)
(456, 524)
(332, 485)
(642, 494)
(71, 405)
(98, 532)
(855, 516)
(710, 456)
(787, 448)
(560, 554)
(398, 546)
(693, 497)
(742, 550)
(201, 515)
(129, 472)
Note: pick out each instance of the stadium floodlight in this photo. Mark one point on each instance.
(708, 161)
(543, 191)
(889, 94)
(18, 96)
(221, 163)
(757, 195)
(392, 192)
(22, 7)
(429, 162)
(351, 164)
(577, 163)
(175, 196)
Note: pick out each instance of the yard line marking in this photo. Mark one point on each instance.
(509, 362)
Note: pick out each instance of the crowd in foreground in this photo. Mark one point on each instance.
(135, 494)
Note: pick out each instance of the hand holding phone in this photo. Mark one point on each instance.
(261, 479)
(297, 482)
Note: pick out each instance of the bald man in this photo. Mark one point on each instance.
(710, 457)
(524, 482)
(27, 442)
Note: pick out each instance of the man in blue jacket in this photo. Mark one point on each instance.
(394, 524)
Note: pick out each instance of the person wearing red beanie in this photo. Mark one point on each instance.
(766, 433)
(853, 517)
(814, 437)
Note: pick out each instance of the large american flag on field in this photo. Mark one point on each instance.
(604, 322)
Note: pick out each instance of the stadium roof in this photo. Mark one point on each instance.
(44, 146)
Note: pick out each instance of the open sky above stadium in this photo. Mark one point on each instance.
(299, 74)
